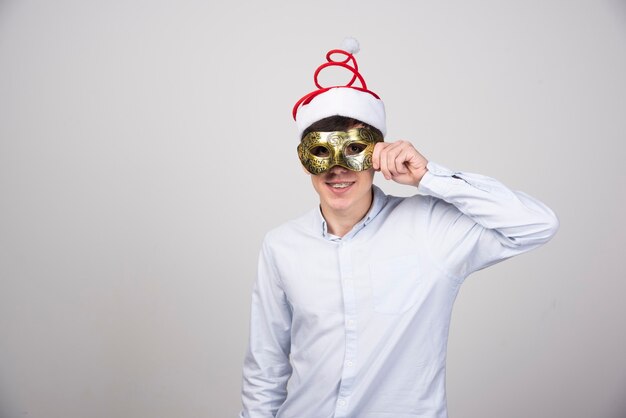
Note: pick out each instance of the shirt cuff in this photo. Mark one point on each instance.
(437, 181)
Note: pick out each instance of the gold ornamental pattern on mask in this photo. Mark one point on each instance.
(352, 149)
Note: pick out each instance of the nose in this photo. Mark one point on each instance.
(337, 169)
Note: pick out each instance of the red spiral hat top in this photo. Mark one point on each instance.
(346, 61)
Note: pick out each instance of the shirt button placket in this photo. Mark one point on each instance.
(349, 303)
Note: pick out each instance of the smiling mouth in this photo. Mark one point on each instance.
(342, 185)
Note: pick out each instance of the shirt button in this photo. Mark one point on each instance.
(350, 322)
(349, 363)
(341, 402)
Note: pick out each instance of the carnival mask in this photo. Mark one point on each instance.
(352, 149)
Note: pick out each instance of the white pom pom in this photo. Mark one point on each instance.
(350, 45)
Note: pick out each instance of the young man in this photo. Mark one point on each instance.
(352, 304)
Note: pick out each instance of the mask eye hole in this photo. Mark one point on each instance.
(320, 151)
(354, 149)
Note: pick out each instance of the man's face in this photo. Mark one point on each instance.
(340, 167)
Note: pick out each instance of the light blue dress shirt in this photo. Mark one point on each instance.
(358, 326)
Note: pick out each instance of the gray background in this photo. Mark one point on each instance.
(147, 146)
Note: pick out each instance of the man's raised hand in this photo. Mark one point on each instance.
(399, 161)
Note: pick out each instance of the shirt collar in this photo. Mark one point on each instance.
(379, 199)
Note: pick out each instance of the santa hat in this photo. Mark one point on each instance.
(347, 100)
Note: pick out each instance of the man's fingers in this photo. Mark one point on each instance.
(384, 168)
(379, 158)
(401, 162)
(388, 160)
(376, 155)
(378, 149)
(396, 160)
(392, 153)
(384, 158)
(402, 157)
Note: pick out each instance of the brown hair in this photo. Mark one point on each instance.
(336, 123)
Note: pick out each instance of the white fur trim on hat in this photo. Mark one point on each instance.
(343, 101)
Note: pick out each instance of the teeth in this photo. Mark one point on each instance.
(340, 185)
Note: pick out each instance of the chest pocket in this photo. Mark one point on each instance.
(396, 284)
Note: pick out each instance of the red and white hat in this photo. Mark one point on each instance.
(347, 100)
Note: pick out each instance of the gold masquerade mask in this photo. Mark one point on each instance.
(319, 151)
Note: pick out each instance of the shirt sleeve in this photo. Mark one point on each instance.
(266, 368)
(476, 221)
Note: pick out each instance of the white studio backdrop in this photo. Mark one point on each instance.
(147, 146)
